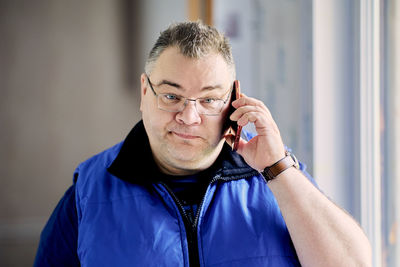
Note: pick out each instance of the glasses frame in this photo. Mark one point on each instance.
(186, 99)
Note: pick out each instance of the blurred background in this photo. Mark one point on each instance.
(327, 69)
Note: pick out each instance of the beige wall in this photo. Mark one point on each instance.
(69, 88)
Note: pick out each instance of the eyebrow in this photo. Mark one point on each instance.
(170, 84)
(178, 86)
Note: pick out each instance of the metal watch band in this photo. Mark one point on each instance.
(281, 165)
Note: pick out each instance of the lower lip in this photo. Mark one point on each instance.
(184, 136)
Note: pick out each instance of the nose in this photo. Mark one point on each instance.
(189, 114)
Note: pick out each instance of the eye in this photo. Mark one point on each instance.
(207, 100)
(171, 98)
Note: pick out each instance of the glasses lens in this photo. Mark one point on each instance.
(170, 102)
(209, 106)
(174, 103)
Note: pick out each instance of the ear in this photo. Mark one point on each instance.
(143, 84)
(143, 88)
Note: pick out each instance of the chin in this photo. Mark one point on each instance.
(193, 157)
(185, 154)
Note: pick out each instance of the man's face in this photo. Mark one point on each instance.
(185, 142)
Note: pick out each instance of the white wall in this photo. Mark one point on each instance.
(272, 47)
(335, 62)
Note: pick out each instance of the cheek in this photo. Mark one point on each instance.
(155, 119)
(225, 122)
(150, 116)
(217, 125)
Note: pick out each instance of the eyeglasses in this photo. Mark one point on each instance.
(175, 103)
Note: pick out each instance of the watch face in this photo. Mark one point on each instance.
(296, 162)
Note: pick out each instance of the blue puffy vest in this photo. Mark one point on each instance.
(123, 223)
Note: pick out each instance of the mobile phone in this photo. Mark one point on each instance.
(236, 128)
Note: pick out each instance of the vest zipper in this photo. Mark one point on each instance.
(191, 228)
(196, 218)
(191, 233)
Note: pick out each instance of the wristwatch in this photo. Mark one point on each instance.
(281, 165)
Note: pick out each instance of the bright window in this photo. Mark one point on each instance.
(329, 72)
(390, 133)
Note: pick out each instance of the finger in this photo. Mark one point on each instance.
(240, 112)
(264, 124)
(254, 117)
(251, 102)
(244, 109)
(245, 100)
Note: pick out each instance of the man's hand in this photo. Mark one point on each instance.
(267, 147)
(307, 212)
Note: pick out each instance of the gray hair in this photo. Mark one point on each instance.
(194, 40)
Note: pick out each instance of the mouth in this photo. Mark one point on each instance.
(185, 136)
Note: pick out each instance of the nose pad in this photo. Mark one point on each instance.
(191, 100)
(189, 114)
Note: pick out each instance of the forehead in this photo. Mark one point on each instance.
(208, 70)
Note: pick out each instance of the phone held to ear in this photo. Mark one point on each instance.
(238, 130)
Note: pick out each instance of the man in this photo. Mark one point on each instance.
(175, 194)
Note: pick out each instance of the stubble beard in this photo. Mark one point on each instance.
(186, 157)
